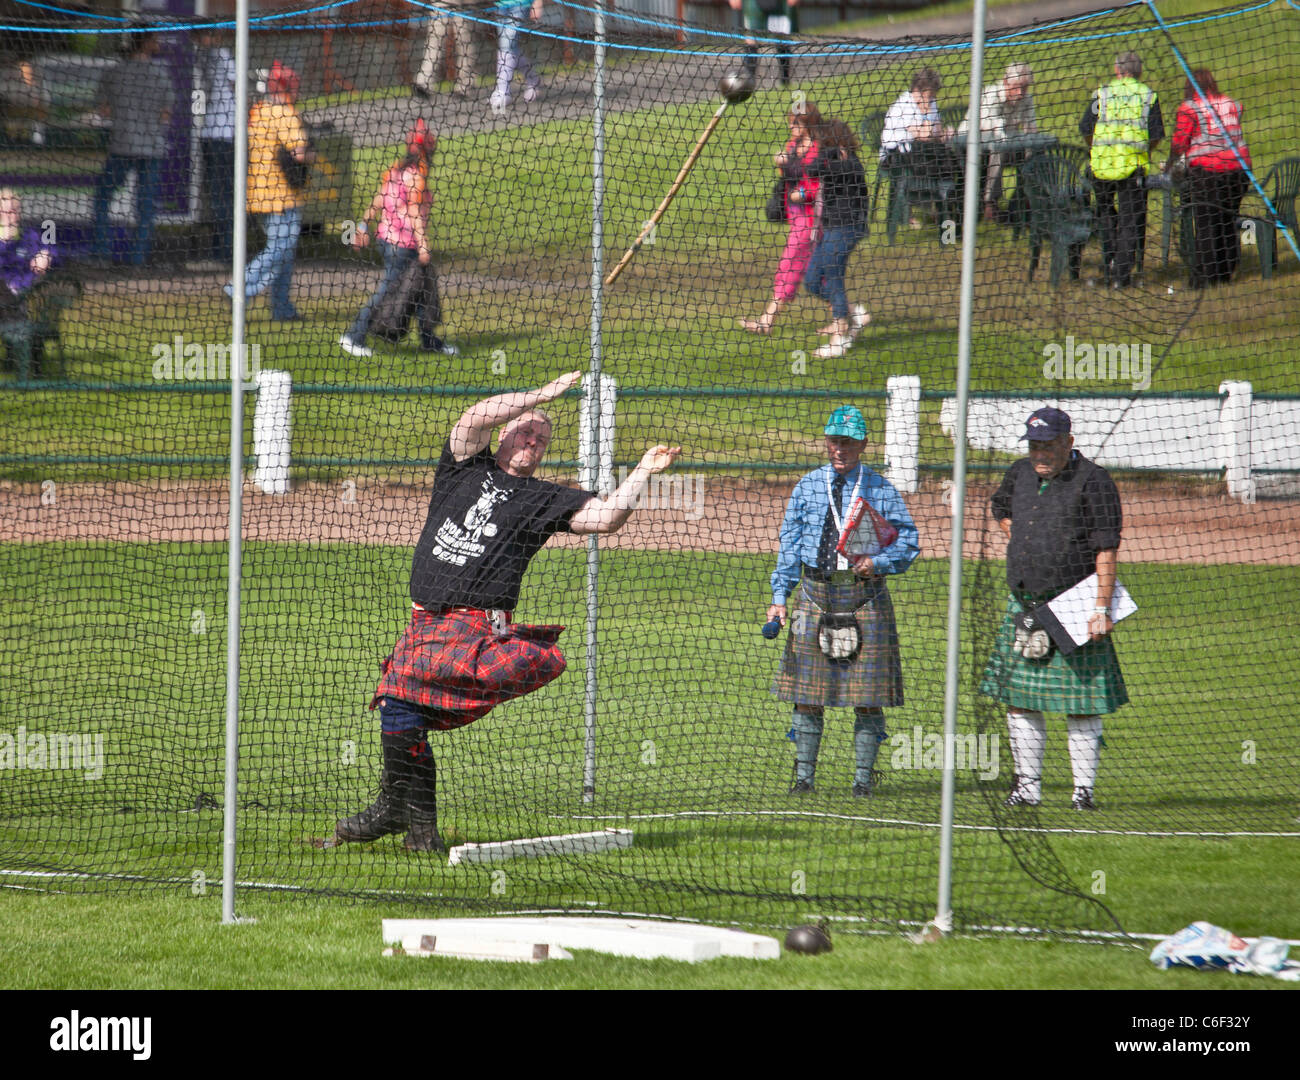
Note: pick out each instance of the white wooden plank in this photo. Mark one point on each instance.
(588, 843)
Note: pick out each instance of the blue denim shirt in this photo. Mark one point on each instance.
(801, 531)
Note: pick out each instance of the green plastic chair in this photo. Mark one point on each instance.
(1060, 211)
(869, 133)
(1282, 185)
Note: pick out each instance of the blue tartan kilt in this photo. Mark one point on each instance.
(806, 676)
(1086, 682)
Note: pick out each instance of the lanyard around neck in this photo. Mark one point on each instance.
(830, 498)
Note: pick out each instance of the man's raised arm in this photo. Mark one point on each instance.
(609, 515)
(473, 431)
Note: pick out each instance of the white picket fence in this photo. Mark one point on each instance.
(1233, 431)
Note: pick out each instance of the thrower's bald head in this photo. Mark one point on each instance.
(524, 442)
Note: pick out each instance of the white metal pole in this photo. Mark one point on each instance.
(236, 464)
(593, 403)
(970, 218)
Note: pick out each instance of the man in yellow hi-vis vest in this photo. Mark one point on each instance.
(1122, 126)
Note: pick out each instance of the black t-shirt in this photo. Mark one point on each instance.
(484, 526)
(1058, 525)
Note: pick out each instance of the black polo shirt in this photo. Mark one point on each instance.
(1057, 526)
(484, 525)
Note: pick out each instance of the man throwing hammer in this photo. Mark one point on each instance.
(461, 654)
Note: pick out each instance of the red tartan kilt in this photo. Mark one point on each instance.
(456, 663)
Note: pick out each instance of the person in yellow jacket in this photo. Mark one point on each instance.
(279, 154)
(1122, 125)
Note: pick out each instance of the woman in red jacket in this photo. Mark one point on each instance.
(1207, 132)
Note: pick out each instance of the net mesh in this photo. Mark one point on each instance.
(116, 410)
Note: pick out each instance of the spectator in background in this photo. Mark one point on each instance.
(1207, 134)
(913, 118)
(1006, 110)
(913, 141)
(136, 97)
(755, 16)
(402, 207)
(26, 104)
(510, 53)
(217, 143)
(844, 205)
(464, 52)
(799, 191)
(1122, 125)
(278, 156)
(24, 260)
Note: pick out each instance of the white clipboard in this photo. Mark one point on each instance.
(1074, 607)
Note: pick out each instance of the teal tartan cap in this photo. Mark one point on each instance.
(847, 420)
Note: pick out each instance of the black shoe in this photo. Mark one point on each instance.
(437, 345)
(862, 791)
(423, 801)
(1018, 796)
(419, 91)
(802, 787)
(385, 816)
(424, 835)
(390, 813)
(1083, 799)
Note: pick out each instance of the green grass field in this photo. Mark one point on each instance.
(692, 757)
(127, 640)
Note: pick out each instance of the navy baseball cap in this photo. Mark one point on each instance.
(1046, 423)
(847, 420)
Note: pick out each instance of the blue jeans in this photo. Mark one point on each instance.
(116, 169)
(824, 277)
(510, 52)
(273, 266)
(396, 261)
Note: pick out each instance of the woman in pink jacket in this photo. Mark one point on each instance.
(402, 207)
(800, 212)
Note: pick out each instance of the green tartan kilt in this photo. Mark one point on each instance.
(1086, 682)
(806, 676)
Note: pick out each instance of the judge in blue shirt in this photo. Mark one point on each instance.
(842, 644)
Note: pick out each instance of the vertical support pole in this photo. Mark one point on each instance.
(272, 432)
(903, 432)
(952, 673)
(1234, 435)
(234, 544)
(592, 402)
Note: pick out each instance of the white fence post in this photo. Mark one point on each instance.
(1234, 435)
(272, 431)
(598, 475)
(903, 432)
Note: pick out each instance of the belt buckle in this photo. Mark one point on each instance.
(497, 617)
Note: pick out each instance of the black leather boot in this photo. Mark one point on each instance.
(423, 803)
(390, 812)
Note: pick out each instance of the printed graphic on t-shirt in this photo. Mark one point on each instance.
(457, 543)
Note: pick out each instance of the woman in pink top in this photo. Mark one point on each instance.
(800, 212)
(402, 206)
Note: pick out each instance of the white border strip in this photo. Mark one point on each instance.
(912, 824)
(1115, 937)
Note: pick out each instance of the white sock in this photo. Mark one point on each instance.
(1028, 732)
(1084, 733)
